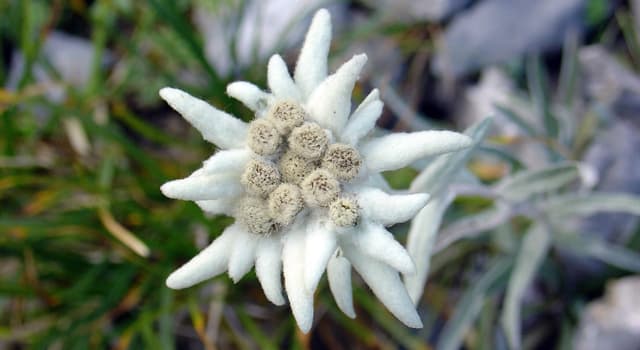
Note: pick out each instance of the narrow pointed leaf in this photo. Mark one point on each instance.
(530, 182)
(533, 250)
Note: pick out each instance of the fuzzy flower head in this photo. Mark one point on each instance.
(303, 182)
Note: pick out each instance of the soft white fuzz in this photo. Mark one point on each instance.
(208, 263)
(249, 94)
(300, 298)
(224, 206)
(339, 276)
(279, 80)
(268, 267)
(320, 246)
(362, 121)
(399, 150)
(385, 283)
(216, 126)
(336, 88)
(233, 160)
(303, 182)
(311, 68)
(202, 187)
(389, 209)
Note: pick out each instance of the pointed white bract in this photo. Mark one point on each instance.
(209, 263)
(378, 243)
(202, 187)
(279, 80)
(249, 94)
(336, 88)
(303, 183)
(268, 269)
(362, 122)
(216, 126)
(339, 276)
(311, 68)
(320, 246)
(234, 160)
(399, 150)
(388, 209)
(300, 299)
(385, 283)
(242, 255)
(224, 206)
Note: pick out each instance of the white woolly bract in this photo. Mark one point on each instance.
(216, 126)
(320, 245)
(249, 94)
(224, 206)
(279, 80)
(339, 276)
(243, 255)
(300, 299)
(233, 160)
(362, 122)
(399, 150)
(337, 89)
(378, 243)
(202, 187)
(269, 267)
(388, 209)
(311, 68)
(209, 263)
(385, 283)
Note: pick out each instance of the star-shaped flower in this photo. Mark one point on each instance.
(303, 183)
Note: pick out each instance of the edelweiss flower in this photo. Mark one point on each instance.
(304, 185)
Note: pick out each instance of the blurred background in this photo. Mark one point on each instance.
(87, 239)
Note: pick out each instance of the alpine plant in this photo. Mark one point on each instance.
(303, 182)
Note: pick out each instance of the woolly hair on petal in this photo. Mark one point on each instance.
(388, 209)
(320, 244)
(209, 263)
(269, 267)
(216, 126)
(330, 103)
(242, 256)
(279, 80)
(395, 151)
(378, 243)
(224, 206)
(202, 187)
(249, 94)
(385, 283)
(300, 299)
(233, 160)
(362, 122)
(339, 276)
(311, 68)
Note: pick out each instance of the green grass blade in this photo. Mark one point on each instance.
(470, 305)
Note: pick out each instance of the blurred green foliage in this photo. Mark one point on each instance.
(87, 239)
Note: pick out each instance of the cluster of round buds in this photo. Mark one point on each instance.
(295, 165)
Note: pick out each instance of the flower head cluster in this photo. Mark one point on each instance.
(303, 182)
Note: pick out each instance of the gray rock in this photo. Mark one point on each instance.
(416, 10)
(614, 154)
(609, 83)
(614, 321)
(495, 31)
